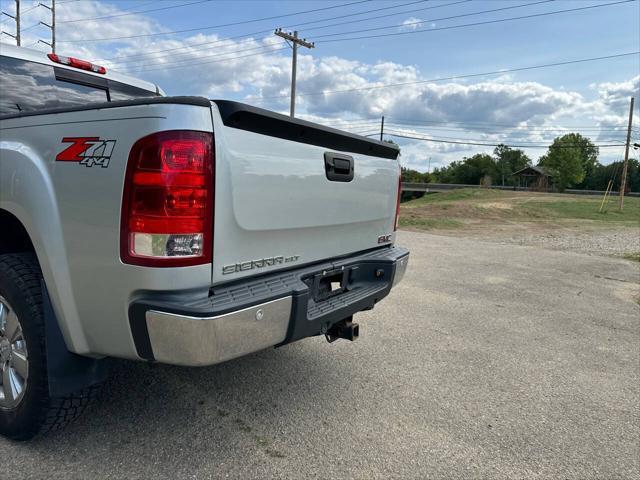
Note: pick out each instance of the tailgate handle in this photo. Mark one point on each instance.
(338, 167)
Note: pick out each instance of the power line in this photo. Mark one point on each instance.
(515, 129)
(30, 9)
(211, 27)
(499, 136)
(333, 34)
(192, 45)
(511, 130)
(506, 131)
(138, 4)
(365, 133)
(296, 26)
(189, 61)
(377, 16)
(437, 19)
(365, 126)
(416, 121)
(486, 144)
(523, 17)
(173, 67)
(456, 77)
(424, 81)
(29, 28)
(135, 13)
(506, 134)
(351, 123)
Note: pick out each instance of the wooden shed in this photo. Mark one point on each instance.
(533, 178)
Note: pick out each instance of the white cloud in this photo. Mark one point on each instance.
(88, 29)
(254, 70)
(411, 23)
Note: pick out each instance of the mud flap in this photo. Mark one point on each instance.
(67, 371)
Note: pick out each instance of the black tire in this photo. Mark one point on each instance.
(37, 412)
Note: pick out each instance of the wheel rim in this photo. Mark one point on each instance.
(14, 363)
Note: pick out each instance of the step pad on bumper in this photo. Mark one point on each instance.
(312, 306)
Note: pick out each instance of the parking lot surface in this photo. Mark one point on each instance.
(488, 361)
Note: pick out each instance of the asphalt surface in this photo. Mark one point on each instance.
(488, 361)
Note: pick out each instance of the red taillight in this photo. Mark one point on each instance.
(395, 224)
(167, 206)
(77, 63)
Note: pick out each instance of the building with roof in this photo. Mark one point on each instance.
(534, 178)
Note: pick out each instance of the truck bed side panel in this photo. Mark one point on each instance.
(72, 213)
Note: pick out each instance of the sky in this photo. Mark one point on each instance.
(435, 69)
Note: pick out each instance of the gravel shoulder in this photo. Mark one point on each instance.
(619, 242)
(489, 360)
(551, 221)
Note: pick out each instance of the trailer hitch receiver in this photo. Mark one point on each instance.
(343, 329)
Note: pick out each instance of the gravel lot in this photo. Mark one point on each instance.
(488, 361)
(617, 242)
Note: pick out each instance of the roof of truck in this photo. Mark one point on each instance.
(38, 56)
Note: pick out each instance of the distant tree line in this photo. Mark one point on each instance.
(572, 161)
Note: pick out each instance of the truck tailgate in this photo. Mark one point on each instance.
(290, 192)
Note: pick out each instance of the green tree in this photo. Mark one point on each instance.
(588, 155)
(603, 173)
(471, 170)
(633, 181)
(413, 176)
(564, 161)
(509, 160)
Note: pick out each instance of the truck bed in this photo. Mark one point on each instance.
(275, 207)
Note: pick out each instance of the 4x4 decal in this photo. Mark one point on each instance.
(87, 151)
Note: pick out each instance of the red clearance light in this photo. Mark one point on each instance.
(77, 63)
(167, 205)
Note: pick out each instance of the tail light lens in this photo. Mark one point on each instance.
(395, 225)
(167, 206)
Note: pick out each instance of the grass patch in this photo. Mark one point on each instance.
(459, 195)
(633, 256)
(429, 223)
(470, 207)
(587, 209)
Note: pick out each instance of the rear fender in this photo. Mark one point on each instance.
(26, 191)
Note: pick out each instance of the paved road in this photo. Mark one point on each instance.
(489, 361)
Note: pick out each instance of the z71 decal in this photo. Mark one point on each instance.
(87, 151)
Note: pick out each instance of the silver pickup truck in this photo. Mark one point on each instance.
(178, 230)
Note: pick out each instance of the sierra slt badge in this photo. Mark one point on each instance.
(260, 263)
(87, 151)
(384, 238)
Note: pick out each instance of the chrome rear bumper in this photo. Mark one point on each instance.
(231, 321)
(194, 341)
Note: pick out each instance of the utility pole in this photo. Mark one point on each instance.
(623, 181)
(295, 41)
(381, 128)
(16, 17)
(52, 8)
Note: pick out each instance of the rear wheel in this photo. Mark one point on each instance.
(26, 408)
(14, 358)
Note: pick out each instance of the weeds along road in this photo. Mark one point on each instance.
(489, 360)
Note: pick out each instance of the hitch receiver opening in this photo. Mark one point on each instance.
(343, 329)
